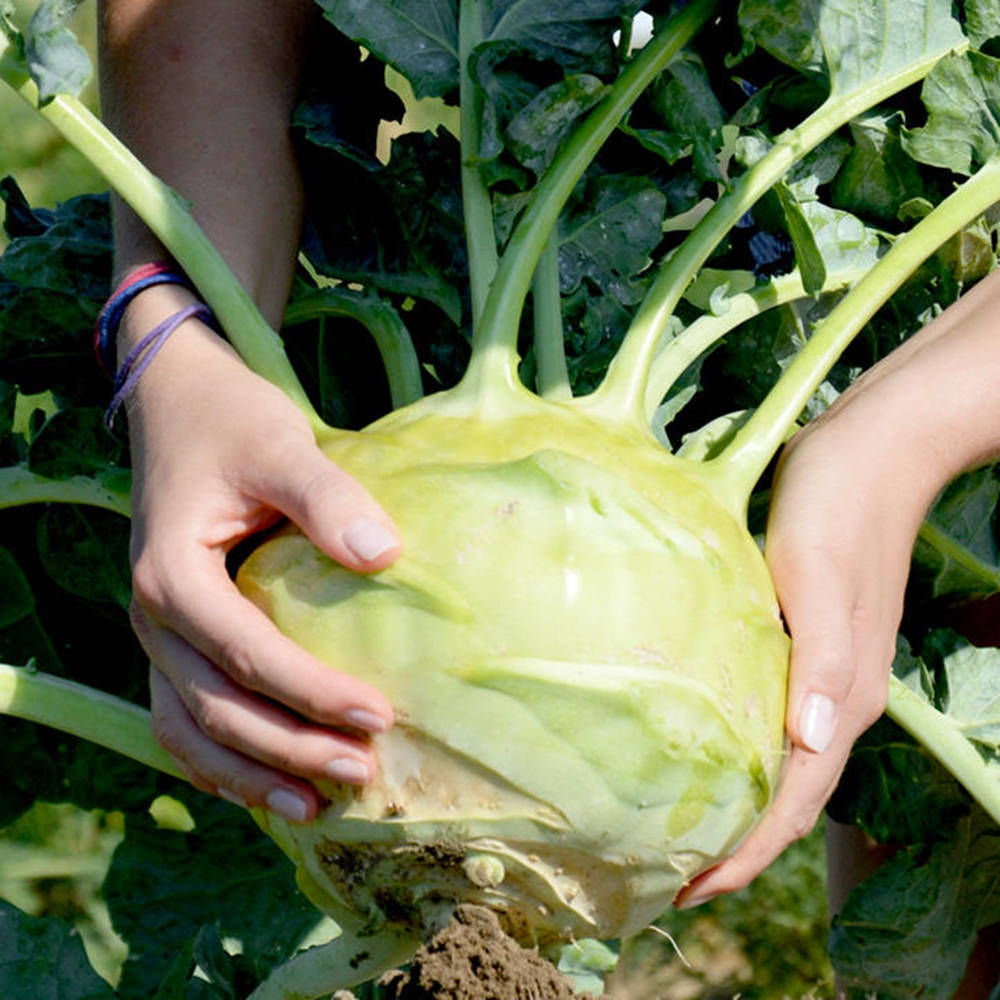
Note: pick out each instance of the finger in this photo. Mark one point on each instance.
(219, 770)
(818, 606)
(807, 782)
(331, 507)
(200, 603)
(256, 727)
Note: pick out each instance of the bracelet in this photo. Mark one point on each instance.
(138, 359)
(110, 317)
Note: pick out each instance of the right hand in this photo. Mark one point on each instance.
(219, 454)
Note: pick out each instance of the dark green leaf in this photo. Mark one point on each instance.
(684, 99)
(42, 958)
(608, 233)
(74, 442)
(16, 599)
(164, 886)
(538, 130)
(896, 791)
(20, 219)
(417, 37)
(908, 930)
(85, 550)
(878, 176)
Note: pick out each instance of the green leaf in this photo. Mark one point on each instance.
(825, 239)
(962, 96)
(909, 929)
(608, 233)
(973, 677)
(42, 958)
(957, 554)
(57, 62)
(878, 177)
(16, 598)
(417, 37)
(537, 131)
(164, 886)
(85, 550)
(684, 99)
(982, 20)
(895, 790)
(75, 442)
(851, 43)
(575, 36)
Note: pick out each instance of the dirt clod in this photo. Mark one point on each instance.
(473, 959)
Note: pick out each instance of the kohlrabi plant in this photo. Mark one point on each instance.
(581, 641)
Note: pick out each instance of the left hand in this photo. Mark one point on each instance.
(847, 506)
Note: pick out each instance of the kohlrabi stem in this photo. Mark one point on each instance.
(494, 355)
(169, 217)
(349, 959)
(623, 391)
(395, 346)
(480, 235)
(83, 711)
(939, 734)
(18, 485)
(552, 376)
(711, 327)
(756, 443)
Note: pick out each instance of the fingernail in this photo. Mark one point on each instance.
(817, 720)
(287, 804)
(361, 718)
(690, 902)
(229, 796)
(347, 769)
(368, 539)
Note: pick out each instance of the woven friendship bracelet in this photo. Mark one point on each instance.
(158, 273)
(138, 359)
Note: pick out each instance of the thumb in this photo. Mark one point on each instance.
(332, 508)
(818, 610)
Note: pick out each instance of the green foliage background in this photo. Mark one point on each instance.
(47, 168)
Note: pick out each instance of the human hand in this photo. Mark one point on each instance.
(847, 504)
(220, 454)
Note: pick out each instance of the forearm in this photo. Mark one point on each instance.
(931, 409)
(203, 92)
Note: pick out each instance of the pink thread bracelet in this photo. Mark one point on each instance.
(138, 359)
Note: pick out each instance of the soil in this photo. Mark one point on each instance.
(473, 959)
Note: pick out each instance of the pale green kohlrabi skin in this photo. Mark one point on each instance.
(585, 654)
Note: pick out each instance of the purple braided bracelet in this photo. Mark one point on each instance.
(138, 359)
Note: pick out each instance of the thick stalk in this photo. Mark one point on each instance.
(739, 467)
(709, 328)
(480, 236)
(84, 712)
(938, 734)
(552, 376)
(623, 392)
(353, 957)
(395, 346)
(18, 486)
(167, 215)
(495, 340)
